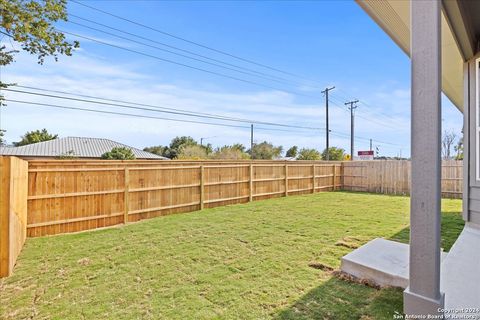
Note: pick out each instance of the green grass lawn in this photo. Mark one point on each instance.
(239, 262)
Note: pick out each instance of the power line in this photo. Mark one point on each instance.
(187, 112)
(208, 71)
(188, 41)
(339, 134)
(141, 116)
(173, 47)
(368, 105)
(344, 135)
(282, 80)
(185, 65)
(6, 34)
(336, 103)
(179, 54)
(130, 102)
(248, 73)
(157, 110)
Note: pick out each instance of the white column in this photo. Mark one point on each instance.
(423, 295)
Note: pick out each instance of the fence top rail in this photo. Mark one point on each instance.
(227, 166)
(167, 162)
(301, 165)
(269, 165)
(163, 168)
(75, 169)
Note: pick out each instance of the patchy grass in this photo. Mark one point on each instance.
(263, 260)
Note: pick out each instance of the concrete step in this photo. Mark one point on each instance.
(460, 272)
(385, 263)
(382, 261)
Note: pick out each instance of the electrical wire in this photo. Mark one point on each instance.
(268, 76)
(185, 65)
(188, 41)
(142, 116)
(158, 110)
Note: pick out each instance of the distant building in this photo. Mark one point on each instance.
(75, 147)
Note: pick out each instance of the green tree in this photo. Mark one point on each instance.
(2, 140)
(119, 153)
(34, 137)
(239, 147)
(309, 154)
(208, 148)
(192, 152)
(171, 151)
(335, 154)
(265, 151)
(233, 152)
(292, 152)
(177, 143)
(31, 23)
(459, 149)
(158, 150)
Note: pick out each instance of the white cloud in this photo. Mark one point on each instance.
(97, 76)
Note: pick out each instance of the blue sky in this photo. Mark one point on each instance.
(326, 42)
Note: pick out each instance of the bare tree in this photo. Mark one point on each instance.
(448, 140)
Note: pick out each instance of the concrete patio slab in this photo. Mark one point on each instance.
(382, 261)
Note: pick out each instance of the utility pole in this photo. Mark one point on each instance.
(251, 140)
(327, 142)
(371, 145)
(205, 138)
(352, 107)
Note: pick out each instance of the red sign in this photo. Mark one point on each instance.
(365, 153)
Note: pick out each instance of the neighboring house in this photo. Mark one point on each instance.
(75, 147)
(442, 39)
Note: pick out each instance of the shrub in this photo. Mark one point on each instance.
(119, 153)
(309, 154)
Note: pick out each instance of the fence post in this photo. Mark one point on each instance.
(202, 187)
(384, 164)
(313, 178)
(342, 175)
(334, 176)
(250, 188)
(126, 202)
(286, 179)
(13, 211)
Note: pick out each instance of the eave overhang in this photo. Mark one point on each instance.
(458, 37)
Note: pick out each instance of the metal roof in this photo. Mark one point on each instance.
(79, 147)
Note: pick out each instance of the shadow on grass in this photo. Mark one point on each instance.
(452, 225)
(339, 299)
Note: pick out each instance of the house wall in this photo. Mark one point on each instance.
(472, 141)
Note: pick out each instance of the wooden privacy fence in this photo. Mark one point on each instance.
(73, 196)
(13, 211)
(60, 196)
(393, 177)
